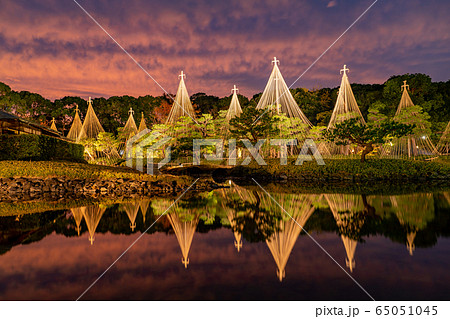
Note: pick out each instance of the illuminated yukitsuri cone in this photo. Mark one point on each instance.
(131, 209)
(235, 107)
(77, 214)
(300, 207)
(182, 105)
(447, 196)
(92, 216)
(237, 235)
(144, 204)
(53, 126)
(443, 146)
(345, 108)
(227, 195)
(184, 230)
(91, 125)
(142, 125)
(412, 145)
(277, 94)
(130, 129)
(343, 206)
(414, 212)
(76, 128)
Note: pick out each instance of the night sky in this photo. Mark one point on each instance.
(52, 47)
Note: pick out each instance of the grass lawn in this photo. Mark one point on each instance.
(43, 169)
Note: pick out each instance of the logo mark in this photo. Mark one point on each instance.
(150, 144)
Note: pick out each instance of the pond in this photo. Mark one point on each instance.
(234, 243)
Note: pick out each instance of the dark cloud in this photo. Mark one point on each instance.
(216, 43)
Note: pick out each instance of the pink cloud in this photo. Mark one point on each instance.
(64, 52)
(332, 3)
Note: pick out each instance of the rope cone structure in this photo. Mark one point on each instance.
(53, 126)
(184, 230)
(447, 196)
(142, 125)
(92, 216)
(413, 211)
(410, 146)
(235, 107)
(130, 128)
(443, 146)
(410, 242)
(77, 214)
(182, 105)
(237, 235)
(227, 195)
(144, 204)
(131, 209)
(91, 125)
(345, 108)
(344, 207)
(277, 94)
(300, 207)
(76, 128)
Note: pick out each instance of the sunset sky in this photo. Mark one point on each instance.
(52, 47)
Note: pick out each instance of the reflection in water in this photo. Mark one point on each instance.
(184, 222)
(228, 195)
(347, 211)
(77, 214)
(253, 220)
(94, 213)
(447, 196)
(92, 216)
(144, 204)
(132, 209)
(282, 236)
(237, 234)
(413, 211)
(249, 218)
(300, 207)
(184, 227)
(410, 242)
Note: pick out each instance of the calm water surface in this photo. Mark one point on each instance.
(229, 244)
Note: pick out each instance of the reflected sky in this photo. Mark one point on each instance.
(222, 245)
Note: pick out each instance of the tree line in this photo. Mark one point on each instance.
(317, 104)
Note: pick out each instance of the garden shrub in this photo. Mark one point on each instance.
(39, 148)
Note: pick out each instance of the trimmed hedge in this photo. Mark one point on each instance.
(38, 148)
(73, 170)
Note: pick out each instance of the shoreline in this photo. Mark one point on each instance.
(334, 171)
(61, 187)
(27, 180)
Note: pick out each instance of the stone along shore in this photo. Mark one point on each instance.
(34, 187)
